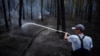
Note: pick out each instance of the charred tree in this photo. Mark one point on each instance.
(9, 11)
(55, 10)
(63, 15)
(5, 16)
(48, 5)
(23, 12)
(1, 10)
(26, 7)
(90, 2)
(58, 14)
(31, 10)
(98, 8)
(42, 10)
(97, 17)
(86, 9)
(62, 7)
(51, 6)
(20, 12)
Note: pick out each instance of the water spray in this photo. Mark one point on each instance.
(35, 24)
(42, 27)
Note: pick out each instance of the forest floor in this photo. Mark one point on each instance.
(43, 42)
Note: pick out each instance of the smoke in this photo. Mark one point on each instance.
(14, 16)
(36, 9)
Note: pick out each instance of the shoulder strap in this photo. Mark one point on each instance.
(81, 40)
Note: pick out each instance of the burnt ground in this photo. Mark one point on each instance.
(43, 42)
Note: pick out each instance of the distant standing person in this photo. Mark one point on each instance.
(81, 44)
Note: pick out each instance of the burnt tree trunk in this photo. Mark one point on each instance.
(97, 17)
(63, 15)
(90, 2)
(58, 14)
(9, 11)
(5, 16)
(27, 8)
(98, 7)
(55, 11)
(31, 10)
(51, 7)
(20, 12)
(0, 8)
(42, 10)
(48, 5)
(23, 12)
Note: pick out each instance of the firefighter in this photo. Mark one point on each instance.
(81, 44)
